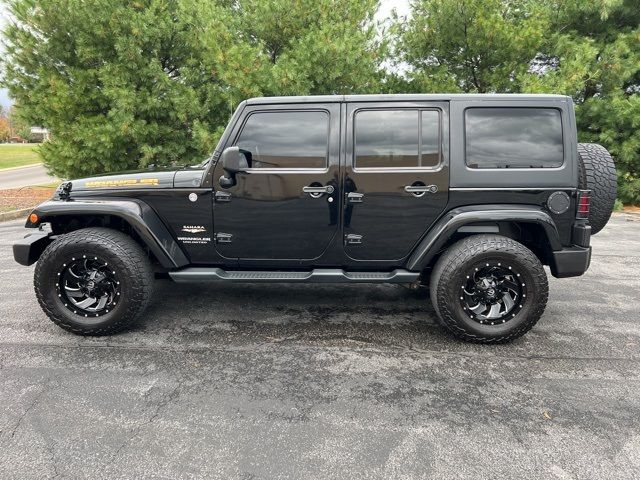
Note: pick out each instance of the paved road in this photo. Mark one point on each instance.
(25, 176)
(325, 382)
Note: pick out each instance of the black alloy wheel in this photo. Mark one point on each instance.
(88, 286)
(493, 293)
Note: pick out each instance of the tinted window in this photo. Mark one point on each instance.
(513, 137)
(286, 139)
(430, 138)
(393, 138)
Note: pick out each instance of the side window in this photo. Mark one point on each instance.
(429, 138)
(513, 138)
(397, 138)
(285, 139)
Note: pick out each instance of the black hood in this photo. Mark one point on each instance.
(139, 179)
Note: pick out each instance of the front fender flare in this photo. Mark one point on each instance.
(139, 215)
(448, 224)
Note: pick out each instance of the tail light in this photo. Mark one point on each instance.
(584, 200)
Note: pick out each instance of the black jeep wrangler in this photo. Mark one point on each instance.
(468, 194)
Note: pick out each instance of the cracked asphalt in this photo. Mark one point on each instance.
(304, 381)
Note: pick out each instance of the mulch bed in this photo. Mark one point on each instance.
(19, 198)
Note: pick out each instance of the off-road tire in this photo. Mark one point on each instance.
(122, 253)
(450, 273)
(597, 172)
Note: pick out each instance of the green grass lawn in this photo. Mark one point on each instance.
(17, 155)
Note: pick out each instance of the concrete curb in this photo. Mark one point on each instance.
(13, 214)
(21, 167)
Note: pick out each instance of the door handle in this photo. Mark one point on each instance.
(317, 192)
(419, 190)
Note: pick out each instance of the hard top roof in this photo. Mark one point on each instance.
(404, 97)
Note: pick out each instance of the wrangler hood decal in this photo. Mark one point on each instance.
(126, 180)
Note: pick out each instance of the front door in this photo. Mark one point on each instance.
(397, 176)
(284, 207)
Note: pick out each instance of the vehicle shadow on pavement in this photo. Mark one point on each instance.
(308, 313)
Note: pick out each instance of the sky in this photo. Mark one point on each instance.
(401, 6)
(386, 6)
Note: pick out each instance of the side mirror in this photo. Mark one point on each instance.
(233, 161)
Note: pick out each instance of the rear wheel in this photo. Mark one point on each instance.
(94, 281)
(488, 289)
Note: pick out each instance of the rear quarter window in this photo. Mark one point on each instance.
(517, 137)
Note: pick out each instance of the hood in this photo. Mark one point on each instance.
(138, 179)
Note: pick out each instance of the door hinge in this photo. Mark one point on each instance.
(355, 197)
(353, 239)
(223, 238)
(222, 196)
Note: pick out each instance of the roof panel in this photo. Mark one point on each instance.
(410, 97)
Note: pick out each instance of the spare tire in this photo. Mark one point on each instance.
(597, 172)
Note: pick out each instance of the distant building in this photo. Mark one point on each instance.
(39, 134)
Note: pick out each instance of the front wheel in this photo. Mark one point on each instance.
(94, 281)
(489, 289)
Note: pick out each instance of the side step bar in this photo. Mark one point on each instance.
(318, 275)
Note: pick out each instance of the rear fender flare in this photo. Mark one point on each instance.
(449, 224)
(142, 218)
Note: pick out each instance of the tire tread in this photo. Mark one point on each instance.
(597, 172)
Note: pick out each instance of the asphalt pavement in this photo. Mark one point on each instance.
(24, 176)
(310, 382)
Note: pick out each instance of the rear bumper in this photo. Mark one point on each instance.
(28, 250)
(570, 262)
(581, 235)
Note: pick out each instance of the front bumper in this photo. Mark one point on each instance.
(28, 250)
(570, 262)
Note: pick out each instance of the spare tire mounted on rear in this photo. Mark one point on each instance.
(597, 172)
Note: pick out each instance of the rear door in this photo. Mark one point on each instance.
(284, 206)
(396, 176)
